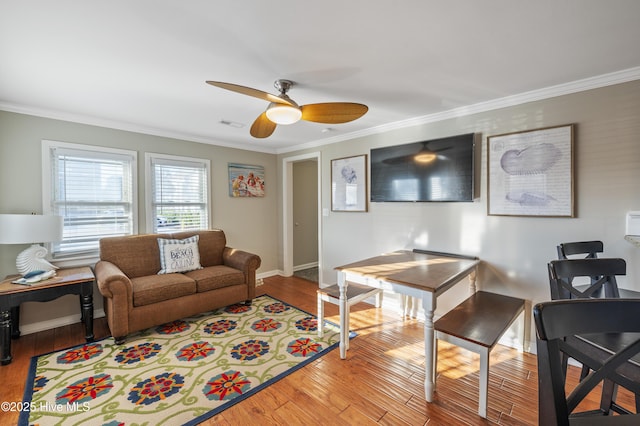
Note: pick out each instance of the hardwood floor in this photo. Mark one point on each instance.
(380, 382)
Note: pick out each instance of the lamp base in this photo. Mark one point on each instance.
(33, 259)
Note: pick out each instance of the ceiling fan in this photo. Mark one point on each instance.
(283, 110)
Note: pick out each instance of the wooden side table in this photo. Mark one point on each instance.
(67, 281)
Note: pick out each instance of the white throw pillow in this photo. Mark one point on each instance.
(179, 255)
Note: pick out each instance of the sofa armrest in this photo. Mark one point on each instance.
(240, 259)
(244, 261)
(113, 283)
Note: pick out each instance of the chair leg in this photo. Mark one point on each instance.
(608, 396)
(320, 316)
(584, 373)
(379, 299)
(403, 305)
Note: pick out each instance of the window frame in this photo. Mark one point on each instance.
(149, 170)
(48, 147)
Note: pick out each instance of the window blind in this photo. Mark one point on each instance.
(93, 191)
(179, 194)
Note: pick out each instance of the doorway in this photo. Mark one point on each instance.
(302, 233)
(305, 219)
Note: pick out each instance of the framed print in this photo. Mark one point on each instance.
(246, 180)
(349, 184)
(530, 173)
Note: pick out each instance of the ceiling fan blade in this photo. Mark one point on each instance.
(333, 112)
(262, 127)
(250, 92)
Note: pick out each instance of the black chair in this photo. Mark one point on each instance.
(589, 249)
(564, 329)
(601, 273)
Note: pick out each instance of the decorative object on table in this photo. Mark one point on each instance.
(205, 364)
(283, 110)
(33, 277)
(246, 180)
(31, 229)
(530, 173)
(349, 184)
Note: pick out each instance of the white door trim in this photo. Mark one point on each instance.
(287, 211)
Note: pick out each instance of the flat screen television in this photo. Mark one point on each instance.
(432, 170)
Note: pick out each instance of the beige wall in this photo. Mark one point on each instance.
(249, 224)
(514, 250)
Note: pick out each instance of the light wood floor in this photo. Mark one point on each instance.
(380, 382)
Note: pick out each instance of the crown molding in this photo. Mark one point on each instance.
(126, 126)
(590, 83)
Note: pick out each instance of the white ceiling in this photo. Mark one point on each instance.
(141, 65)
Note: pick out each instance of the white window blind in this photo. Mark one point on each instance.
(94, 192)
(179, 193)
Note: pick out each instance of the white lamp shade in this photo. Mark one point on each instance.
(29, 228)
(283, 114)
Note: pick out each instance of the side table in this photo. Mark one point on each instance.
(67, 281)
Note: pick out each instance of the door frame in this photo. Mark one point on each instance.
(287, 211)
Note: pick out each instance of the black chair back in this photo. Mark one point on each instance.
(601, 272)
(589, 249)
(556, 323)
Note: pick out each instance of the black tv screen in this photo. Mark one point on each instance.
(433, 170)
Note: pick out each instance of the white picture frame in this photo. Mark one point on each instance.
(349, 184)
(530, 173)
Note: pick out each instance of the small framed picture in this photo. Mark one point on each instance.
(246, 180)
(530, 173)
(349, 184)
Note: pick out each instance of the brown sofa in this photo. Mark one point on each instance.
(137, 297)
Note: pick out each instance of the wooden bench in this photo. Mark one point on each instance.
(355, 293)
(477, 324)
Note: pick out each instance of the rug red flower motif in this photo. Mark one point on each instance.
(86, 389)
(226, 386)
(182, 372)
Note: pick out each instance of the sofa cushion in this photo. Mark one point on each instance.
(213, 277)
(179, 255)
(156, 288)
(135, 255)
(212, 243)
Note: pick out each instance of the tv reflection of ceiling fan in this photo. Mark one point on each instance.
(283, 110)
(426, 155)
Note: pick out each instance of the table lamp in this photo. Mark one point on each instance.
(31, 229)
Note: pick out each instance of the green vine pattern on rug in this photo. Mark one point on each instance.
(178, 373)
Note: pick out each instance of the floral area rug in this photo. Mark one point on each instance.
(179, 373)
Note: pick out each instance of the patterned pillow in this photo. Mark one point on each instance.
(179, 255)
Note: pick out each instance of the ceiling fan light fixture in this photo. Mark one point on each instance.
(424, 157)
(283, 114)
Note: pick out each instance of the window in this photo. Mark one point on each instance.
(177, 193)
(93, 189)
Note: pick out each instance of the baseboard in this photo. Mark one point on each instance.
(268, 274)
(36, 327)
(305, 266)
